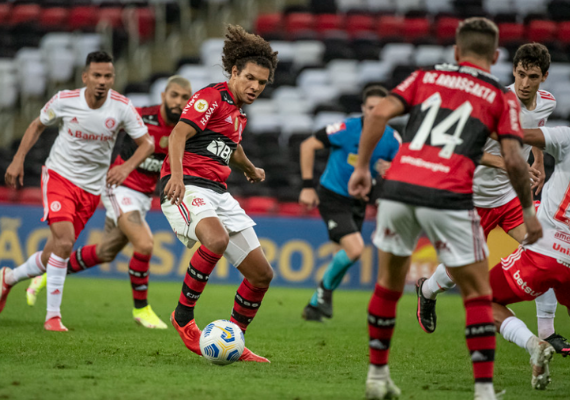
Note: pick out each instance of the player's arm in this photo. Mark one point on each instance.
(15, 171)
(174, 189)
(387, 108)
(517, 169)
(493, 161)
(119, 173)
(538, 166)
(308, 195)
(535, 138)
(251, 172)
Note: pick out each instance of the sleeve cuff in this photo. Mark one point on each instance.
(401, 98)
(192, 124)
(509, 136)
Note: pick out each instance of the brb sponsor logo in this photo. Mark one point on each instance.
(198, 202)
(523, 285)
(220, 149)
(55, 206)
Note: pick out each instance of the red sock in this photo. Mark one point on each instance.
(480, 335)
(201, 266)
(83, 258)
(381, 322)
(138, 272)
(247, 302)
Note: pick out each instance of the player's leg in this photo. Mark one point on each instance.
(514, 330)
(396, 236)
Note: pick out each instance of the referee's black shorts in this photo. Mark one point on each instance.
(342, 215)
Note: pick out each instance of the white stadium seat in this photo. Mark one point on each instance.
(140, 99)
(325, 118)
(397, 53)
(308, 52)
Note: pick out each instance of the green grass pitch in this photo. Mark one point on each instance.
(106, 356)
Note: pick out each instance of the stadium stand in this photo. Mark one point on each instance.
(329, 50)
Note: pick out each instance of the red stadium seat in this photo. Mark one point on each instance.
(112, 15)
(24, 13)
(146, 22)
(510, 32)
(390, 26)
(8, 195)
(30, 195)
(261, 205)
(268, 23)
(291, 209)
(357, 24)
(445, 29)
(83, 17)
(416, 28)
(328, 22)
(296, 22)
(564, 32)
(541, 31)
(54, 18)
(4, 12)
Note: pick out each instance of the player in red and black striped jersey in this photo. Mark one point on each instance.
(128, 204)
(453, 110)
(194, 195)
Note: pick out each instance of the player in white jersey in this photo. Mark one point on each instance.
(89, 120)
(545, 265)
(495, 198)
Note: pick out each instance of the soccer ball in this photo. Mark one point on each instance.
(222, 342)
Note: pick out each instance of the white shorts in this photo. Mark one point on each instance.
(200, 203)
(121, 200)
(456, 235)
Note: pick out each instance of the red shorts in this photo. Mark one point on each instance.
(508, 216)
(525, 275)
(63, 201)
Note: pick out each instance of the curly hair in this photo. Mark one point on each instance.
(532, 55)
(241, 47)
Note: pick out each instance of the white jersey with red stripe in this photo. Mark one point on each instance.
(82, 150)
(491, 186)
(554, 210)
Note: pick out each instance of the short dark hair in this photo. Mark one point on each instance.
(532, 55)
(374, 90)
(98, 57)
(478, 36)
(241, 47)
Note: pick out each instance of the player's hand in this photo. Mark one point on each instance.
(382, 167)
(117, 175)
(533, 230)
(538, 177)
(360, 183)
(15, 173)
(309, 198)
(175, 190)
(255, 176)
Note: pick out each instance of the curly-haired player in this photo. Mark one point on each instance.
(194, 194)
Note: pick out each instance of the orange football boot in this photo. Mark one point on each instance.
(190, 334)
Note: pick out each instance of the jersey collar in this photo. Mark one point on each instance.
(468, 64)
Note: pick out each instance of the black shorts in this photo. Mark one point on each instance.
(341, 214)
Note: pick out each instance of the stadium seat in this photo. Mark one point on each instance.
(374, 71)
(328, 22)
(297, 22)
(112, 15)
(380, 5)
(31, 72)
(8, 83)
(416, 28)
(146, 22)
(54, 18)
(5, 9)
(327, 118)
(82, 18)
(25, 13)
(30, 195)
(157, 88)
(290, 209)
(84, 44)
(210, 51)
(445, 28)
(263, 123)
(358, 24)
(503, 71)
(406, 5)
(390, 26)
(439, 6)
(510, 32)
(563, 35)
(261, 205)
(8, 195)
(193, 72)
(347, 5)
(427, 55)
(295, 123)
(366, 48)
(140, 99)
(268, 24)
(285, 49)
(308, 52)
(397, 53)
(541, 31)
(261, 106)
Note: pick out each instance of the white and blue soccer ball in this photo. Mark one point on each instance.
(222, 342)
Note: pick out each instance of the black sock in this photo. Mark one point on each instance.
(183, 314)
(141, 303)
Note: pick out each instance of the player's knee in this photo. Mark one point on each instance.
(64, 246)
(144, 247)
(217, 244)
(263, 277)
(106, 255)
(354, 252)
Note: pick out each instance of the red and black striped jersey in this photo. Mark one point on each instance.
(219, 124)
(144, 178)
(453, 109)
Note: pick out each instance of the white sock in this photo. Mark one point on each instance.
(376, 373)
(514, 330)
(485, 391)
(32, 267)
(545, 311)
(56, 272)
(437, 283)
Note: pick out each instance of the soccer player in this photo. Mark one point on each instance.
(194, 195)
(342, 214)
(534, 269)
(429, 187)
(128, 204)
(494, 197)
(76, 171)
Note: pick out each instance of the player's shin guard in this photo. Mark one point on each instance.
(56, 272)
(480, 335)
(138, 272)
(201, 266)
(381, 322)
(83, 258)
(247, 302)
